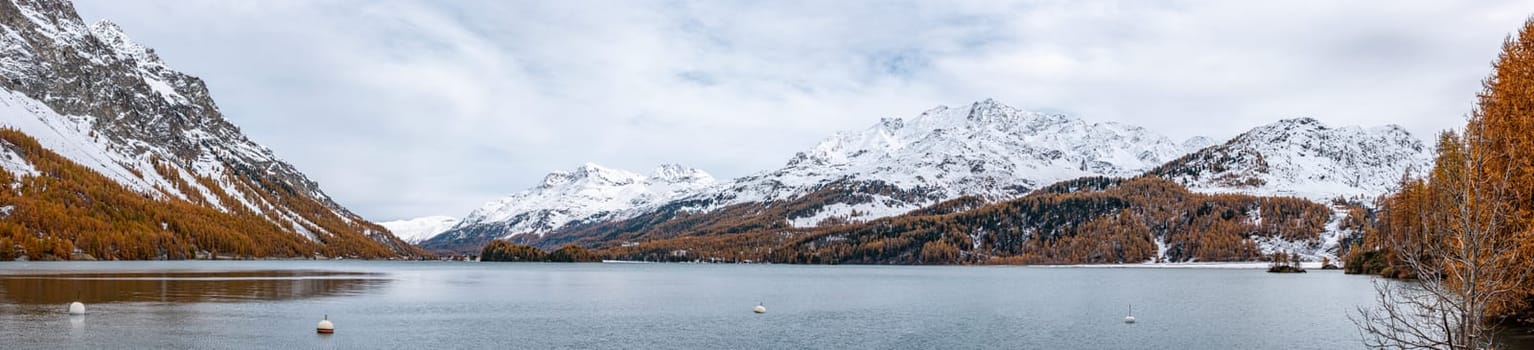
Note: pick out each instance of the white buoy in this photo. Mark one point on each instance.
(759, 309)
(1131, 317)
(76, 308)
(325, 326)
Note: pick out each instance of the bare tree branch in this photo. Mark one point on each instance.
(1461, 253)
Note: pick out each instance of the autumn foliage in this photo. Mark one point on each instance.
(1089, 220)
(499, 250)
(69, 208)
(1482, 180)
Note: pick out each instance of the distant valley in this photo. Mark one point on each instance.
(111, 154)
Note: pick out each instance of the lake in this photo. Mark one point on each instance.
(388, 305)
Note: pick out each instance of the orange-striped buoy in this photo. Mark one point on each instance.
(325, 326)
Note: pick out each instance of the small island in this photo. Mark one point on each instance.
(499, 250)
(1326, 264)
(1285, 263)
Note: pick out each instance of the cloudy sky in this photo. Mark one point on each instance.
(402, 108)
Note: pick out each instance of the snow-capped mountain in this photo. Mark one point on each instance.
(1291, 158)
(93, 95)
(419, 229)
(984, 149)
(1304, 158)
(588, 193)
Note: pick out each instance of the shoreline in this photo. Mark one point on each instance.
(1235, 265)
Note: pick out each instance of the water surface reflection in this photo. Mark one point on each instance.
(183, 286)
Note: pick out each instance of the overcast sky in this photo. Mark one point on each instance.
(402, 109)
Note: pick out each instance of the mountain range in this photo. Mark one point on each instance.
(984, 152)
(984, 149)
(589, 193)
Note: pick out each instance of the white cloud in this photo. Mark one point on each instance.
(403, 109)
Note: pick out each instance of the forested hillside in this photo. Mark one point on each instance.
(990, 153)
(1088, 220)
(58, 206)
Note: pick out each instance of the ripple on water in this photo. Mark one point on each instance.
(182, 286)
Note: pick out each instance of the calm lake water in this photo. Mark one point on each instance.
(388, 305)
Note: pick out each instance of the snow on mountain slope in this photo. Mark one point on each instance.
(136, 131)
(1304, 158)
(419, 229)
(590, 192)
(102, 100)
(12, 162)
(72, 137)
(985, 149)
(1196, 143)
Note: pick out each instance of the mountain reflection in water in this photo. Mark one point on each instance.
(192, 286)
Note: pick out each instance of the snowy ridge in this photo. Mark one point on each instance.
(1304, 158)
(985, 149)
(148, 64)
(414, 231)
(590, 192)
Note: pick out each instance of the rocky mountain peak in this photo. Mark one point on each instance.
(1290, 126)
(990, 110)
(676, 173)
(113, 36)
(556, 178)
(106, 102)
(1303, 121)
(602, 176)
